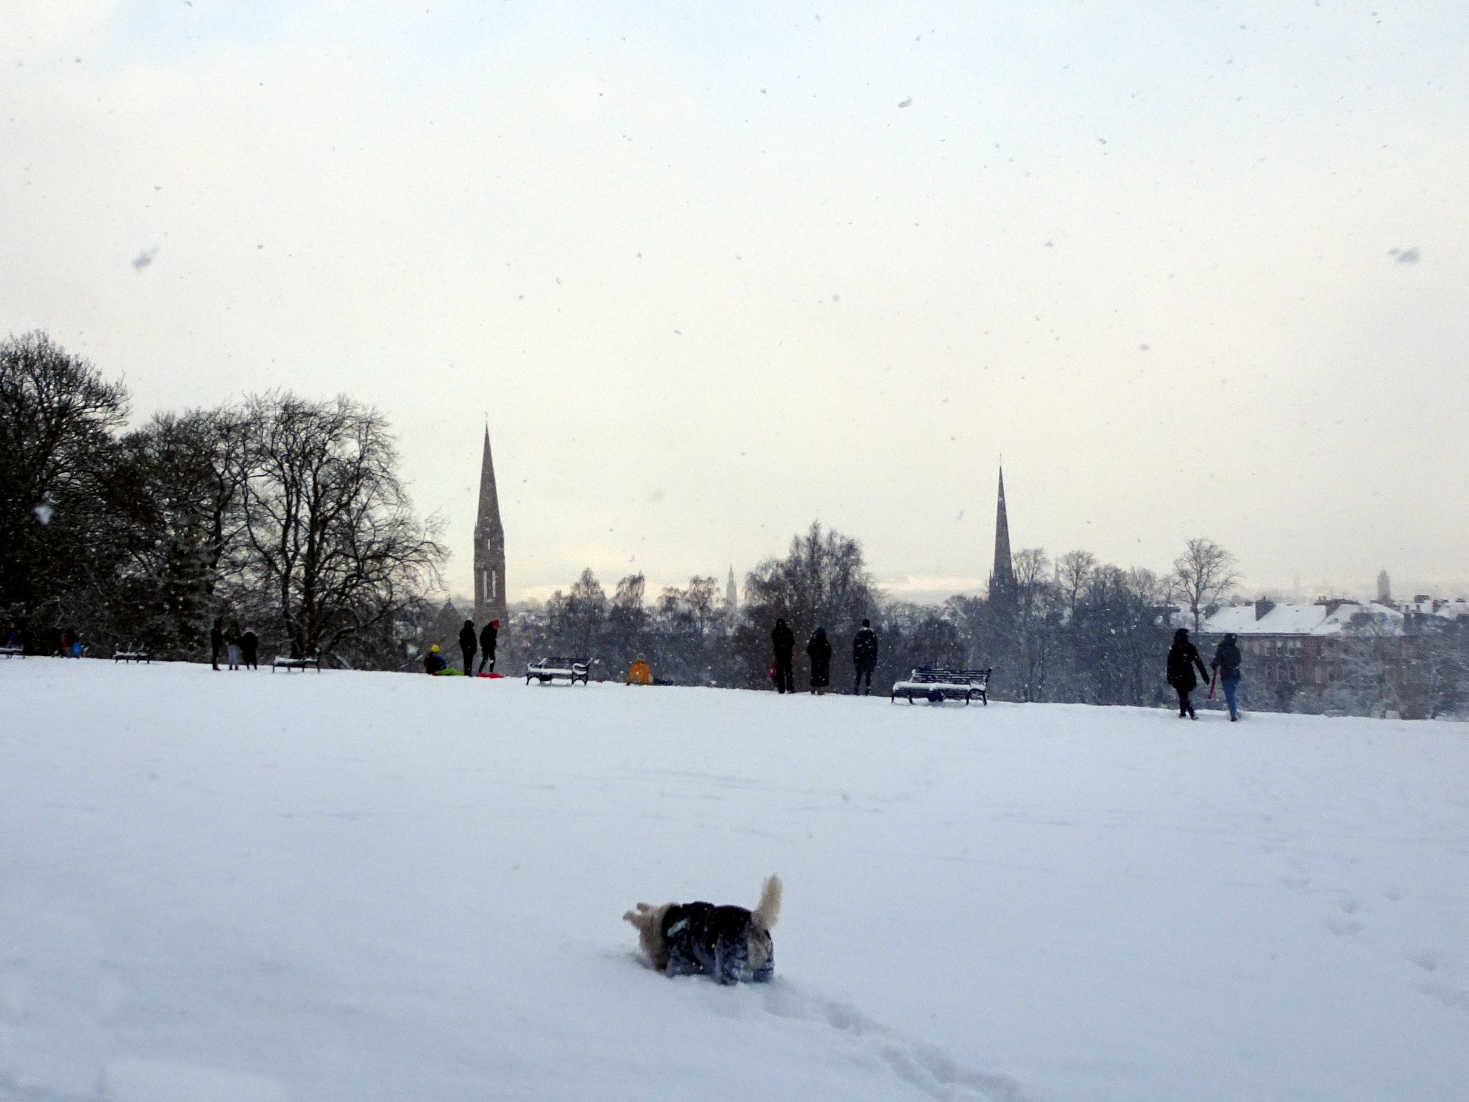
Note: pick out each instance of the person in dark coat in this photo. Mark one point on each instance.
(818, 649)
(467, 645)
(249, 649)
(433, 661)
(216, 641)
(1183, 656)
(864, 655)
(487, 637)
(784, 641)
(1227, 661)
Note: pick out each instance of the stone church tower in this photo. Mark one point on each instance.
(489, 548)
(1002, 577)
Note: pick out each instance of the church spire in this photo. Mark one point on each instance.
(1002, 577)
(489, 547)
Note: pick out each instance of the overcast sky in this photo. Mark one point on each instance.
(711, 272)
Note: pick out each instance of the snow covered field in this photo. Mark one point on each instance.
(257, 887)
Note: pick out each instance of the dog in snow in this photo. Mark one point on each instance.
(727, 942)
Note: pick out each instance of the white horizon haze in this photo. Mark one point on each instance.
(711, 274)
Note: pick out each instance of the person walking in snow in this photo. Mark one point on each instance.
(783, 639)
(1226, 662)
(864, 655)
(216, 641)
(488, 636)
(818, 649)
(467, 645)
(1183, 656)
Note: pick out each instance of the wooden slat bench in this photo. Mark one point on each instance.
(132, 656)
(283, 662)
(13, 652)
(549, 669)
(940, 683)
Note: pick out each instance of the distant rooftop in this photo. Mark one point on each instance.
(1290, 618)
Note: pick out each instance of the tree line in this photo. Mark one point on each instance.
(278, 511)
(287, 515)
(1071, 630)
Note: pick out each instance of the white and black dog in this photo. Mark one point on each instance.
(729, 943)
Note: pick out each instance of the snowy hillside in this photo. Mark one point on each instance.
(341, 887)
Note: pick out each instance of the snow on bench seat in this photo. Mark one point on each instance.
(939, 683)
(282, 662)
(549, 669)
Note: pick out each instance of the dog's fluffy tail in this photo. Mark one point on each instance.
(768, 909)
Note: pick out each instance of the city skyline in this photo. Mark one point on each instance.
(490, 597)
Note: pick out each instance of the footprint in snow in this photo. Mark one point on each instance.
(923, 1066)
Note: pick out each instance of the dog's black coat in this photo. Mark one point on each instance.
(705, 940)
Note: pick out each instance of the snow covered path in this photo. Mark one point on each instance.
(350, 886)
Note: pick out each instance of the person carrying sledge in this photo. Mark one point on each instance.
(487, 637)
(467, 645)
(864, 655)
(818, 649)
(1226, 662)
(1183, 656)
(783, 639)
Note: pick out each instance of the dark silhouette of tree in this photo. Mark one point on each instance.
(191, 468)
(821, 582)
(332, 544)
(1201, 576)
(58, 471)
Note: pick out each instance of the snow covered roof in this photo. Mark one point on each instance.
(1290, 618)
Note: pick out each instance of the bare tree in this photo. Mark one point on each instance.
(191, 470)
(1034, 621)
(627, 619)
(822, 581)
(1072, 571)
(1118, 638)
(332, 540)
(57, 476)
(1202, 575)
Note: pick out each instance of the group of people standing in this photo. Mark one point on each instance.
(240, 648)
(1183, 658)
(818, 650)
(470, 644)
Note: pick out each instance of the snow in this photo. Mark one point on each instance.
(1301, 619)
(261, 887)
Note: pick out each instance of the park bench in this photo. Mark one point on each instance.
(13, 652)
(939, 683)
(134, 655)
(283, 662)
(549, 669)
